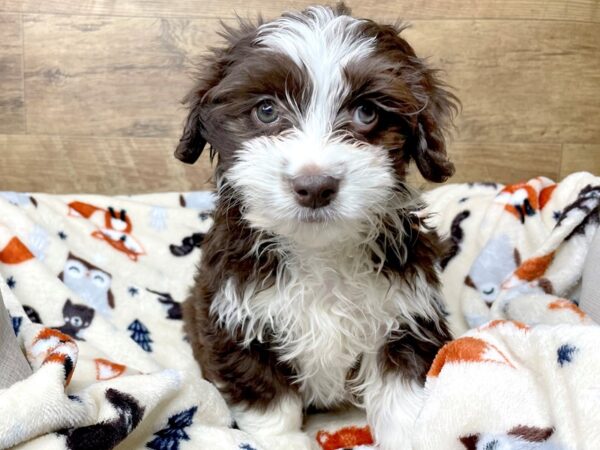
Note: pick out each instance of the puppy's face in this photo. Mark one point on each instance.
(314, 118)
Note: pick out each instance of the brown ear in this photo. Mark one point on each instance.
(215, 67)
(192, 142)
(434, 119)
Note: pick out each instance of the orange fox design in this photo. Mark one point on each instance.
(56, 347)
(546, 195)
(498, 322)
(114, 228)
(467, 350)
(107, 370)
(347, 437)
(568, 305)
(15, 252)
(522, 199)
(534, 268)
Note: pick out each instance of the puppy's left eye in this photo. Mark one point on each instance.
(266, 112)
(365, 116)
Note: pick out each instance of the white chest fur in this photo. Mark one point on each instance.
(324, 315)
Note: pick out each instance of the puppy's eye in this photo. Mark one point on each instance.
(365, 116)
(266, 112)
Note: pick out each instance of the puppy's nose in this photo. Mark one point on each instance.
(315, 191)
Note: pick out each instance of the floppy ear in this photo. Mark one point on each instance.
(215, 67)
(435, 117)
(192, 141)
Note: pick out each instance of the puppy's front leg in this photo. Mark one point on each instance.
(282, 415)
(393, 404)
(277, 425)
(394, 393)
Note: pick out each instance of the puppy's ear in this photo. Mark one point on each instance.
(192, 142)
(214, 69)
(438, 107)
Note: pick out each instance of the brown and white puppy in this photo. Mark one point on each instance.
(318, 285)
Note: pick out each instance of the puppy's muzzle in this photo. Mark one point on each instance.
(315, 191)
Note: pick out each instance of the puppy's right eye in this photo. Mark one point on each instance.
(266, 112)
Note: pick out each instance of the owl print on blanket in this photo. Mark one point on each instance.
(90, 282)
(498, 259)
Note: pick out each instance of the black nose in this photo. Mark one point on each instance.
(315, 191)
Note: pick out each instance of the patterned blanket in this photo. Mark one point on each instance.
(94, 284)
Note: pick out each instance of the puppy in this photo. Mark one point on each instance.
(317, 284)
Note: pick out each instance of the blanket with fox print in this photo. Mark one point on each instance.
(94, 286)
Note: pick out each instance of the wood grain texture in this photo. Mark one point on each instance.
(502, 163)
(12, 108)
(90, 90)
(89, 165)
(580, 157)
(105, 76)
(124, 76)
(572, 10)
(518, 81)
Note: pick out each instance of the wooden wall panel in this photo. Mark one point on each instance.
(89, 165)
(90, 90)
(12, 108)
(110, 76)
(580, 157)
(572, 10)
(534, 82)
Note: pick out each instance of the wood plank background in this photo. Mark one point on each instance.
(90, 90)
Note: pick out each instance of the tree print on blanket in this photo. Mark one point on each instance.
(16, 324)
(246, 447)
(141, 335)
(168, 438)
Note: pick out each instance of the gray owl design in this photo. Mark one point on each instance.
(77, 317)
(89, 282)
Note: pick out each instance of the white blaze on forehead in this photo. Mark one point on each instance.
(322, 44)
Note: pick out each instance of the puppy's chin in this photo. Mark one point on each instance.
(315, 229)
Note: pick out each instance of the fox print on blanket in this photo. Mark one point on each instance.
(114, 227)
(318, 281)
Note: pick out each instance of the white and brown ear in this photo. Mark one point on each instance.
(214, 68)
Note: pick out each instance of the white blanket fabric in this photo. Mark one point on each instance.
(94, 284)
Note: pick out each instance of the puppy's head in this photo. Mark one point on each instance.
(314, 118)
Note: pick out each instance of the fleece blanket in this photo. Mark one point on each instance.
(94, 285)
